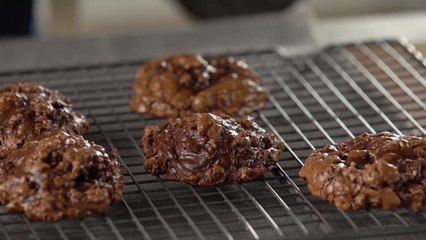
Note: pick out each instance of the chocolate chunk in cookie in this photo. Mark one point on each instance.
(184, 84)
(60, 176)
(373, 170)
(205, 149)
(30, 111)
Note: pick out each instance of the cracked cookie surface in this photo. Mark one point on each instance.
(30, 112)
(179, 85)
(60, 176)
(381, 170)
(206, 149)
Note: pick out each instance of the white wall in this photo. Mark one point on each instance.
(121, 16)
(57, 18)
(331, 8)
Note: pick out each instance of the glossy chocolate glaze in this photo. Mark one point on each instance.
(60, 176)
(183, 84)
(373, 170)
(30, 111)
(205, 149)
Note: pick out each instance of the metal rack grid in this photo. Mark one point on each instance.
(318, 99)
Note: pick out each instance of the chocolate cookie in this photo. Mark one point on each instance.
(205, 149)
(373, 170)
(30, 112)
(184, 84)
(60, 176)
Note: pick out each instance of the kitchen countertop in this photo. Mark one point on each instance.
(421, 47)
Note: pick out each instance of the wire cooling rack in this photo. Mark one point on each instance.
(318, 99)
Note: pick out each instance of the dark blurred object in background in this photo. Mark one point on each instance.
(206, 9)
(15, 17)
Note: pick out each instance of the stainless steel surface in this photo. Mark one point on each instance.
(315, 100)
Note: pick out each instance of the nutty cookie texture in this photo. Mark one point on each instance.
(372, 170)
(179, 85)
(60, 176)
(206, 149)
(30, 112)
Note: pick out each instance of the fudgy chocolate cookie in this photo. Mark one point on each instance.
(30, 111)
(373, 170)
(205, 149)
(184, 84)
(60, 176)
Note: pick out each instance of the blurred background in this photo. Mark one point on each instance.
(333, 20)
(47, 33)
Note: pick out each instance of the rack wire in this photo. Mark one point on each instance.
(317, 99)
